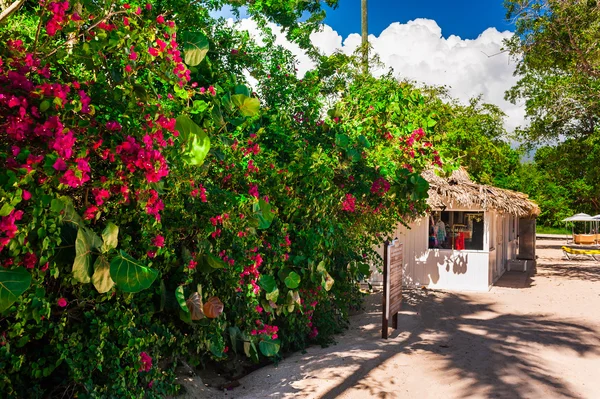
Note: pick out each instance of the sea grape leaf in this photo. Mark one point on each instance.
(195, 47)
(12, 284)
(213, 307)
(129, 274)
(101, 278)
(248, 106)
(269, 347)
(215, 262)
(263, 213)
(273, 295)
(196, 142)
(85, 242)
(328, 281)
(267, 283)
(292, 280)
(110, 237)
(194, 304)
(180, 296)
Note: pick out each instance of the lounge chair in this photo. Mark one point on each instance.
(570, 252)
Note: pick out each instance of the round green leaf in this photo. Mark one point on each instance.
(85, 242)
(195, 47)
(101, 278)
(269, 347)
(267, 283)
(196, 142)
(247, 106)
(292, 280)
(110, 237)
(214, 262)
(12, 284)
(130, 275)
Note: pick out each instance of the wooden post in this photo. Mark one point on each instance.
(365, 37)
(384, 320)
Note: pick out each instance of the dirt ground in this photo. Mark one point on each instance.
(536, 337)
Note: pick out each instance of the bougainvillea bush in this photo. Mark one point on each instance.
(154, 208)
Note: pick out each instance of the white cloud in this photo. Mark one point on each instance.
(418, 51)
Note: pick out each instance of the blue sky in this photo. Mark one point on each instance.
(464, 18)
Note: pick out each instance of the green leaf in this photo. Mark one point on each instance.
(263, 213)
(267, 283)
(364, 268)
(196, 142)
(101, 278)
(180, 296)
(273, 295)
(44, 105)
(269, 347)
(6, 209)
(250, 351)
(85, 242)
(129, 275)
(214, 262)
(292, 280)
(247, 106)
(195, 47)
(341, 140)
(69, 213)
(235, 335)
(241, 89)
(364, 141)
(12, 284)
(57, 205)
(110, 237)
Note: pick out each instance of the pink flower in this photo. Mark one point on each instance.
(132, 54)
(60, 164)
(151, 254)
(45, 267)
(158, 241)
(253, 190)
(160, 19)
(146, 362)
(30, 260)
(349, 203)
(90, 213)
(153, 51)
(192, 265)
(212, 91)
(128, 68)
(26, 195)
(259, 309)
(62, 302)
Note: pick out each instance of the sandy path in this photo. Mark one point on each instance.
(538, 341)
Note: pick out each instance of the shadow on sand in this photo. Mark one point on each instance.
(499, 347)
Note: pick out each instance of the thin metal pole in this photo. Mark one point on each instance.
(365, 37)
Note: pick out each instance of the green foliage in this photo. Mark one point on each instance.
(12, 284)
(137, 166)
(129, 275)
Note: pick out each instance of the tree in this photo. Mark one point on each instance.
(558, 62)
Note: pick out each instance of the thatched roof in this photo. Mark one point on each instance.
(462, 191)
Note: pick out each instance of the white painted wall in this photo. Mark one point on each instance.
(465, 270)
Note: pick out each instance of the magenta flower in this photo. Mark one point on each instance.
(146, 361)
(62, 302)
(158, 241)
(59, 164)
(26, 195)
(253, 190)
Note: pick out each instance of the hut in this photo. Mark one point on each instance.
(471, 236)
